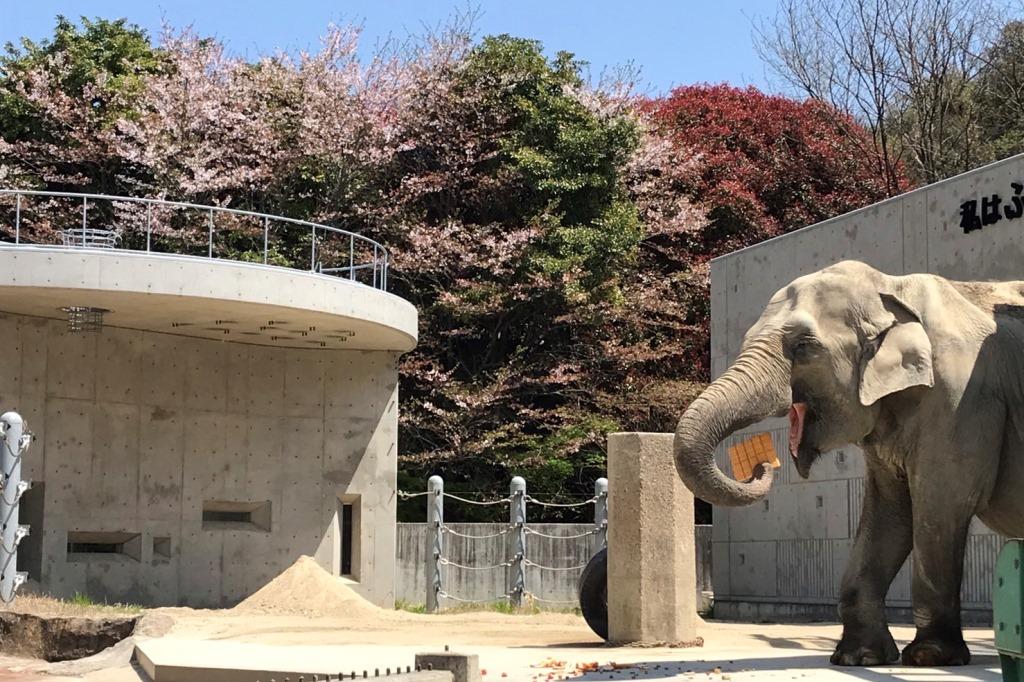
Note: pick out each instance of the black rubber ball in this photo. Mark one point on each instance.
(593, 592)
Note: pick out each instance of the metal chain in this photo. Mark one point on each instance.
(556, 504)
(446, 562)
(482, 504)
(592, 531)
(553, 568)
(472, 601)
(448, 529)
(402, 495)
(531, 595)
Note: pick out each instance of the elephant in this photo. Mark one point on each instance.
(926, 376)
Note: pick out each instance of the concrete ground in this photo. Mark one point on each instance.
(731, 652)
(549, 649)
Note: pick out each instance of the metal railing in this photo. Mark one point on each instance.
(518, 562)
(78, 220)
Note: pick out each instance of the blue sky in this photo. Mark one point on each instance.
(674, 42)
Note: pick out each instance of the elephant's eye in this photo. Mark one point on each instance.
(802, 348)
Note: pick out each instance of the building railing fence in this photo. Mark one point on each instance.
(518, 564)
(101, 221)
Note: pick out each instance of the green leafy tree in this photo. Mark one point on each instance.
(521, 230)
(61, 98)
(999, 93)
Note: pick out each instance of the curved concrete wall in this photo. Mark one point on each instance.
(138, 429)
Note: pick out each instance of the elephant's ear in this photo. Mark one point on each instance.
(901, 357)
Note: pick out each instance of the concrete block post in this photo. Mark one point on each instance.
(517, 519)
(652, 581)
(463, 667)
(435, 542)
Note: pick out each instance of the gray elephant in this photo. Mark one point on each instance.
(926, 375)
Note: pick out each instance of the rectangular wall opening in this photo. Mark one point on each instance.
(161, 548)
(348, 536)
(109, 545)
(233, 515)
(346, 539)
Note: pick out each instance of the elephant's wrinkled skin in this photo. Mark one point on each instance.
(927, 376)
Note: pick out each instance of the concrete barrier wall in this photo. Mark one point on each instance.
(137, 431)
(784, 557)
(558, 587)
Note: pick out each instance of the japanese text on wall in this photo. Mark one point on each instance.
(992, 209)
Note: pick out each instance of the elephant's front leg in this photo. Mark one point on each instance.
(883, 541)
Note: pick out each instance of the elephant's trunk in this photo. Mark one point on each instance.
(754, 387)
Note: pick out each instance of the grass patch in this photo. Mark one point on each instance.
(529, 608)
(85, 601)
(402, 605)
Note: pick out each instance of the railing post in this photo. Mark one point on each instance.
(601, 513)
(374, 266)
(17, 218)
(209, 247)
(85, 209)
(149, 225)
(11, 533)
(266, 238)
(517, 519)
(312, 253)
(435, 542)
(351, 256)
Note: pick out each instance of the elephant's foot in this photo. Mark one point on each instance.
(935, 653)
(878, 649)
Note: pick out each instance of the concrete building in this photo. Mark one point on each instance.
(783, 557)
(227, 418)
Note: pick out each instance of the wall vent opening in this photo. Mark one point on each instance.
(229, 515)
(105, 545)
(161, 547)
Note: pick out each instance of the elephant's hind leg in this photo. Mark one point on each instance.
(883, 541)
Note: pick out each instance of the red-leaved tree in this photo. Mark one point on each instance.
(769, 164)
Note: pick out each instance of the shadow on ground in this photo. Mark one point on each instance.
(983, 668)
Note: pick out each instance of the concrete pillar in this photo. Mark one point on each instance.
(652, 581)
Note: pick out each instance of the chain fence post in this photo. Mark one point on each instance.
(601, 513)
(11, 533)
(435, 542)
(517, 519)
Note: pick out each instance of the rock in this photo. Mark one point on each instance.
(60, 639)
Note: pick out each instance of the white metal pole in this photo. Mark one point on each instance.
(11, 532)
(517, 519)
(601, 513)
(435, 542)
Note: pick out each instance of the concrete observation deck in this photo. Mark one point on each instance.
(205, 298)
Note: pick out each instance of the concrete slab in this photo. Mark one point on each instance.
(174, 660)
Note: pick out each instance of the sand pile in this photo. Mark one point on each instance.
(308, 590)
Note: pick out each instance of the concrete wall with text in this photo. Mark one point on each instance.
(784, 557)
